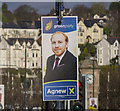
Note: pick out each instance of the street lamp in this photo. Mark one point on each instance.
(25, 74)
(93, 58)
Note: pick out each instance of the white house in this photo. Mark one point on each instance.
(107, 49)
(12, 53)
(14, 39)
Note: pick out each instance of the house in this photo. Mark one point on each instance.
(101, 19)
(13, 41)
(89, 31)
(12, 53)
(108, 48)
(96, 16)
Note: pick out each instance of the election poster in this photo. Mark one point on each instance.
(59, 58)
(1, 96)
(93, 103)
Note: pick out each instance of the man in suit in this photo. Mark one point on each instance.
(93, 105)
(62, 65)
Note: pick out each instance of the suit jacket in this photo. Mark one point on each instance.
(67, 69)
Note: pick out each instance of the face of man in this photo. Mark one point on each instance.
(59, 44)
(92, 101)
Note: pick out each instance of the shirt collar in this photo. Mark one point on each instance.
(60, 57)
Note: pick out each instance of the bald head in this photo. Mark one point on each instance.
(59, 42)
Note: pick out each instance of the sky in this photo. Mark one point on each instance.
(45, 7)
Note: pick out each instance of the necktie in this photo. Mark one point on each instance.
(56, 62)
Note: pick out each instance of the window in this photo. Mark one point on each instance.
(100, 51)
(33, 54)
(100, 60)
(16, 46)
(80, 29)
(95, 30)
(36, 63)
(19, 63)
(27, 54)
(15, 63)
(25, 32)
(33, 64)
(34, 46)
(14, 54)
(36, 55)
(115, 44)
(110, 52)
(81, 34)
(81, 40)
(115, 52)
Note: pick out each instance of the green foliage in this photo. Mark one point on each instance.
(91, 49)
(81, 11)
(114, 6)
(4, 18)
(114, 60)
(98, 8)
(87, 50)
(25, 12)
(22, 78)
(106, 30)
(4, 6)
(109, 87)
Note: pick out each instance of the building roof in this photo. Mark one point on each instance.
(10, 25)
(90, 23)
(12, 41)
(23, 25)
(111, 40)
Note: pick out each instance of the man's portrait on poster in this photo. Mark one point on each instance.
(93, 105)
(62, 65)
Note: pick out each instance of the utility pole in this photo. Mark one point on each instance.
(25, 80)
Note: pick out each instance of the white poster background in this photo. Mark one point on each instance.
(47, 50)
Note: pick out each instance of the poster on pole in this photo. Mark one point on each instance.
(93, 103)
(59, 58)
(1, 96)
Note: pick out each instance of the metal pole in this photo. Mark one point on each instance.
(25, 81)
(93, 77)
(65, 104)
(68, 105)
(59, 105)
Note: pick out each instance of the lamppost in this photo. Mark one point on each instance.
(25, 74)
(92, 58)
(25, 80)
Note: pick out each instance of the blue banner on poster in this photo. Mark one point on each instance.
(59, 41)
(60, 90)
(50, 25)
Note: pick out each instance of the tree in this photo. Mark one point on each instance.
(114, 6)
(106, 30)
(87, 50)
(4, 6)
(114, 12)
(81, 11)
(91, 49)
(25, 13)
(98, 8)
(7, 15)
